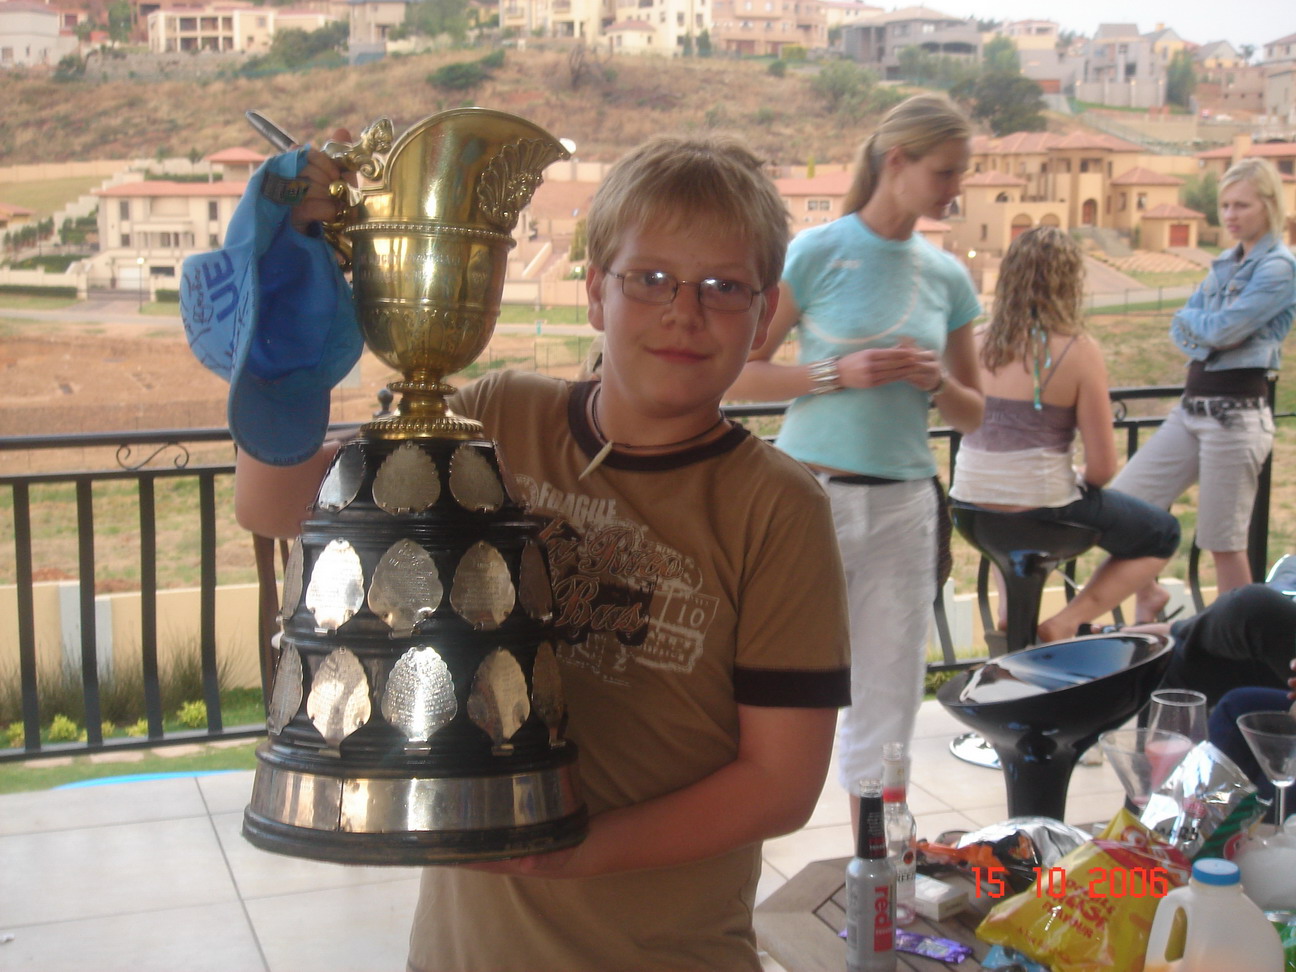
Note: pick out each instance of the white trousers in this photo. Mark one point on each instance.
(887, 536)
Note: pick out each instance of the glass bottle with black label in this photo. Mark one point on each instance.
(870, 890)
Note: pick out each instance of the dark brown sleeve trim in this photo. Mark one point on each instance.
(792, 688)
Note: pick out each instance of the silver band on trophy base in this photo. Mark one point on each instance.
(417, 713)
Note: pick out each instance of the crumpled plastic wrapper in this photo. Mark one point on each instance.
(1191, 806)
(1018, 844)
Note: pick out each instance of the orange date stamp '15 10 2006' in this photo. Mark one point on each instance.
(1103, 882)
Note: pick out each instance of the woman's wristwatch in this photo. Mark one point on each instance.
(940, 385)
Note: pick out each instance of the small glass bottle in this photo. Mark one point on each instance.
(901, 830)
(870, 887)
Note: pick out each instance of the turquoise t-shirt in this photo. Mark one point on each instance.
(857, 290)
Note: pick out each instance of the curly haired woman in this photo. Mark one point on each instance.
(1044, 380)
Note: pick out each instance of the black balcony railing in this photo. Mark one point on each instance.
(148, 459)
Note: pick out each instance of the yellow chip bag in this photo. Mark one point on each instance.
(1093, 910)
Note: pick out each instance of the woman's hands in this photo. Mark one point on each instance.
(319, 205)
(906, 361)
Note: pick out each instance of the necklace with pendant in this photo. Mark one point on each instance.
(610, 444)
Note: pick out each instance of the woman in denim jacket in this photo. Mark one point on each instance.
(1231, 330)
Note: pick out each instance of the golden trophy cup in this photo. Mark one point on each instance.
(417, 711)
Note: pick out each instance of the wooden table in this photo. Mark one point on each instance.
(800, 923)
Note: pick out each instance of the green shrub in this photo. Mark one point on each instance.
(193, 715)
(63, 729)
(26, 290)
(137, 728)
(777, 68)
(14, 735)
(792, 52)
(458, 77)
(166, 296)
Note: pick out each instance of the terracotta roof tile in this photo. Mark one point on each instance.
(1139, 176)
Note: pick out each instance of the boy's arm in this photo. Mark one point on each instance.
(769, 789)
(272, 501)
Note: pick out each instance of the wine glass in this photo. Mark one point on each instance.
(1142, 759)
(1272, 738)
(1179, 710)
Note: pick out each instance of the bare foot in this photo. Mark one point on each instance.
(1149, 602)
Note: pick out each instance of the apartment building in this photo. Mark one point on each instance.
(32, 35)
(147, 228)
(765, 27)
(876, 40)
(225, 26)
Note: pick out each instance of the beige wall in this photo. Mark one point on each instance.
(54, 606)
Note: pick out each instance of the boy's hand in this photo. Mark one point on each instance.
(319, 205)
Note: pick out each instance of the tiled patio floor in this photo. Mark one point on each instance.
(153, 876)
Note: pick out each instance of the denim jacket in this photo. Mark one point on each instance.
(1239, 315)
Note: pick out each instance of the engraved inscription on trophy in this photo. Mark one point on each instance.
(287, 696)
(405, 588)
(339, 704)
(498, 702)
(407, 481)
(420, 696)
(292, 586)
(342, 482)
(535, 593)
(336, 590)
(473, 481)
(482, 593)
(546, 692)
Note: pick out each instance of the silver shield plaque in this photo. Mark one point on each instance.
(546, 691)
(339, 698)
(287, 696)
(535, 592)
(292, 587)
(342, 482)
(407, 481)
(473, 481)
(336, 590)
(405, 587)
(482, 592)
(420, 694)
(498, 701)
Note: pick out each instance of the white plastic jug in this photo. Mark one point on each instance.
(1210, 926)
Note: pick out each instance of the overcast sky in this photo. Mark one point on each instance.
(1239, 22)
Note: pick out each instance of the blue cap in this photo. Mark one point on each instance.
(1217, 871)
(273, 315)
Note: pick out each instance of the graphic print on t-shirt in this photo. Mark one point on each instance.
(622, 597)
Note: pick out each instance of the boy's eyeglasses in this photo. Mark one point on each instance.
(660, 287)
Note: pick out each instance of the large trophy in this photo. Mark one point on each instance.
(417, 713)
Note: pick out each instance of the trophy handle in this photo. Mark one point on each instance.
(358, 156)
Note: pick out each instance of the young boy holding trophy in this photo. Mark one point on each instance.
(697, 586)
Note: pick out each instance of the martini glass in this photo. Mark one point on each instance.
(1272, 738)
(1143, 758)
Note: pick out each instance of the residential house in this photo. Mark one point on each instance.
(1031, 35)
(1280, 51)
(876, 40)
(674, 24)
(225, 26)
(370, 23)
(14, 217)
(32, 35)
(1125, 69)
(1218, 56)
(765, 27)
(1280, 79)
(1079, 180)
(838, 13)
(148, 227)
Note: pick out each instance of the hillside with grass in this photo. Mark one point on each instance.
(605, 104)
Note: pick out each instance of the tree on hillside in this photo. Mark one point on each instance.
(1181, 79)
(1202, 194)
(294, 48)
(920, 67)
(1007, 102)
(433, 17)
(119, 20)
(851, 91)
(1000, 55)
(1246, 52)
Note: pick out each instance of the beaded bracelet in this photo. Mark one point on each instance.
(824, 377)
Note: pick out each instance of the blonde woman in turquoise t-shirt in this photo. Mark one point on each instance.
(882, 321)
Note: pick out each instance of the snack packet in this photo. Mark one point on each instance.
(1013, 848)
(1093, 910)
(1203, 792)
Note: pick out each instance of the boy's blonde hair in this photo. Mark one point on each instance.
(1041, 282)
(917, 125)
(675, 181)
(1266, 181)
